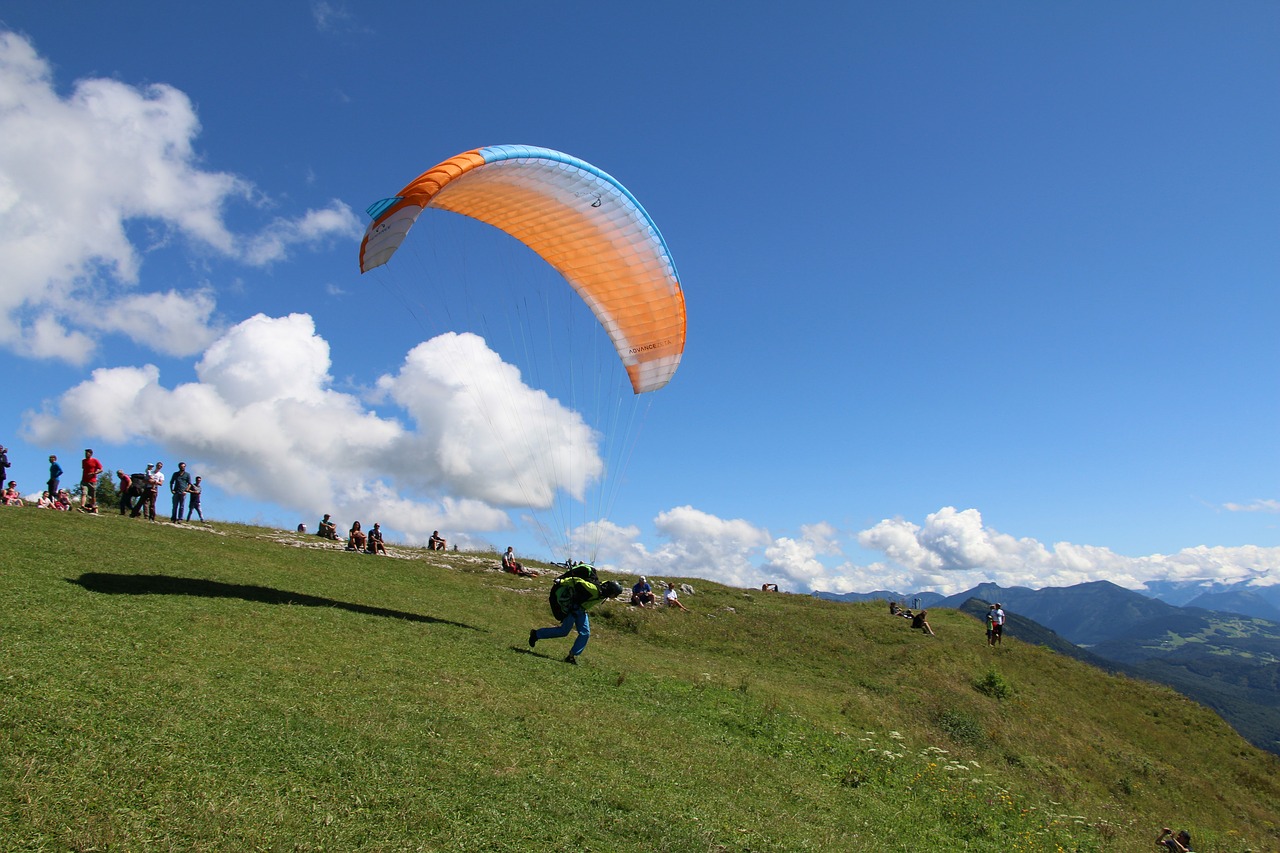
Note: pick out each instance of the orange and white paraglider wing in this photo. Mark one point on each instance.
(577, 218)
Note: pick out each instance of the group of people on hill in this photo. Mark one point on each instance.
(366, 541)
(358, 539)
(575, 592)
(919, 620)
(140, 491)
(995, 624)
(137, 492)
(642, 595)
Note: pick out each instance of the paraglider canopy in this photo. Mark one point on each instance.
(576, 217)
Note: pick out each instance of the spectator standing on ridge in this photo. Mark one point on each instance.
(1178, 843)
(193, 505)
(4, 462)
(178, 487)
(997, 625)
(126, 482)
(55, 473)
(139, 485)
(154, 481)
(574, 596)
(90, 468)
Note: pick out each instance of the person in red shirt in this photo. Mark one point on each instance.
(90, 468)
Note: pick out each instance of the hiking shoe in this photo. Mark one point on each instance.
(571, 659)
(533, 637)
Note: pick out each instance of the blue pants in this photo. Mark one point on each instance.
(577, 619)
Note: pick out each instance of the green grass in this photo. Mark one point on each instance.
(232, 688)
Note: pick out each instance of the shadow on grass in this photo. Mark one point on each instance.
(531, 653)
(113, 584)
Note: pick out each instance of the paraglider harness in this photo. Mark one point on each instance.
(567, 590)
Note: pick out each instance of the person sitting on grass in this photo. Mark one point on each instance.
(510, 564)
(11, 496)
(356, 540)
(673, 597)
(918, 621)
(436, 542)
(63, 500)
(326, 528)
(45, 502)
(1178, 843)
(642, 593)
(375, 540)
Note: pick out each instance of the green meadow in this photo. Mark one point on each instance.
(232, 688)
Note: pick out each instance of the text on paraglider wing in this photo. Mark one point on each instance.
(648, 347)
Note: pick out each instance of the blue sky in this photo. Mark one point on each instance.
(976, 291)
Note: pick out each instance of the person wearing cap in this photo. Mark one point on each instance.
(997, 625)
(1179, 842)
(642, 593)
(576, 595)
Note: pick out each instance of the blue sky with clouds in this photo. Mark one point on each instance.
(978, 291)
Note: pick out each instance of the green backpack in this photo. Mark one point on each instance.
(579, 583)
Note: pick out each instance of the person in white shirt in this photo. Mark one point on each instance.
(997, 624)
(155, 480)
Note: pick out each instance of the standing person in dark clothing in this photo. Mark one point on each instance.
(55, 473)
(125, 489)
(178, 488)
(4, 462)
(194, 504)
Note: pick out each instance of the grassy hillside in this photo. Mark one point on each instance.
(234, 688)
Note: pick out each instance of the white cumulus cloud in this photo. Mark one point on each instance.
(953, 550)
(75, 172)
(263, 420)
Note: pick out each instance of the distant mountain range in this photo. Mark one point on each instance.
(1218, 645)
